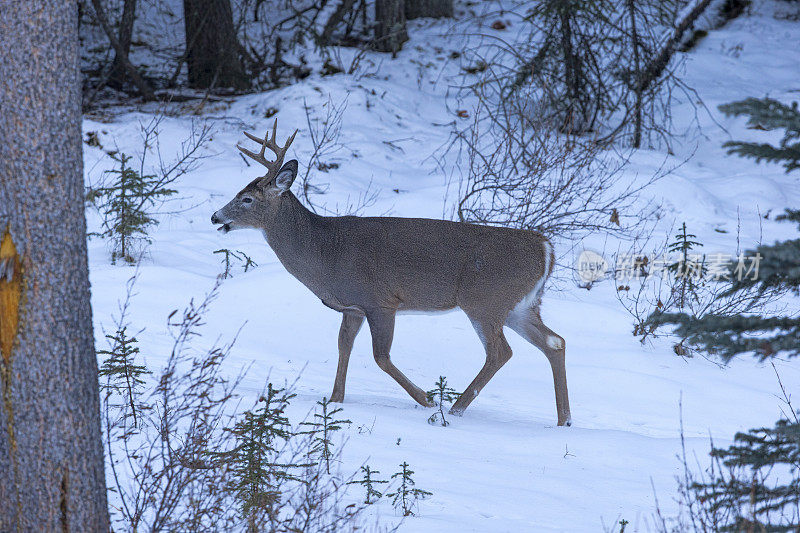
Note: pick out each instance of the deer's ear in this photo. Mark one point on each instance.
(286, 176)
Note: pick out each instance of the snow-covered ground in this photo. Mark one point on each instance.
(504, 465)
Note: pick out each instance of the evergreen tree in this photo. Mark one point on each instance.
(229, 255)
(406, 495)
(778, 265)
(123, 374)
(253, 462)
(687, 270)
(441, 394)
(368, 482)
(125, 205)
(762, 336)
(761, 489)
(754, 495)
(322, 428)
(766, 113)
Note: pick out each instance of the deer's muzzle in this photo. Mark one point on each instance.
(224, 228)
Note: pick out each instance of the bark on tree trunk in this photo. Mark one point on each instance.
(390, 25)
(117, 76)
(575, 116)
(212, 48)
(122, 54)
(51, 456)
(656, 67)
(428, 8)
(344, 7)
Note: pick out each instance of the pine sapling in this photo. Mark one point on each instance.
(368, 482)
(123, 374)
(227, 255)
(125, 206)
(256, 473)
(441, 395)
(688, 269)
(406, 496)
(321, 428)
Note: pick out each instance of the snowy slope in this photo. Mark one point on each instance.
(503, 466)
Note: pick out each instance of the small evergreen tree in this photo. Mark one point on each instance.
(123, 374)
(321, 428)
(406, 496)
(227, 255)
(766, 113)
(124, 205)
(763, 336)
(253, 462)
(441, 395)
(368, 482)
(753, 485)
(688, 270)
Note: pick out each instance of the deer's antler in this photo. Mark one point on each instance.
(280, 151)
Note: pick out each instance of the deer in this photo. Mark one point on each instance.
(372, 268)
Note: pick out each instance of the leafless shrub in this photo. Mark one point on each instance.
(166, 169)
(272, 30)
(520, 173)
(182, 457)
(608, 68)
(324, 133)
(188, 155)
(162, 479)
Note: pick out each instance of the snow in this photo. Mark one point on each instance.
(504, 465)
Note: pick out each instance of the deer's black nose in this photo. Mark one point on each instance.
(214, 219)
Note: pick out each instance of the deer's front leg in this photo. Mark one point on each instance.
(381, 326)
(351, 323)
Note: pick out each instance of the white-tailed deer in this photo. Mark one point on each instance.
(373, 267)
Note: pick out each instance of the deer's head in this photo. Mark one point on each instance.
(262, 195)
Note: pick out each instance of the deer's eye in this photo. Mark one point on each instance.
(247, 200)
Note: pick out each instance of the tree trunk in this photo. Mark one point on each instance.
(51, 455)
(659, 63)
(572, 77)
(117, 76)
(212, 48)
(344, 7)
(121, 54)
(637, 106)
(428, 8)
(390, 25)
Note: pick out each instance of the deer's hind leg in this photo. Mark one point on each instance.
(528, 323)
(498, 352)
(381, 326)
(351, 323)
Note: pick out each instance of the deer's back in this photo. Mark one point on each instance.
(425, 264)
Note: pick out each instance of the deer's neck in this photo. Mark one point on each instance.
(297, 237)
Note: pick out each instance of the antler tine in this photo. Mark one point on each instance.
(268, 142)
(255, 138)
(259, 157)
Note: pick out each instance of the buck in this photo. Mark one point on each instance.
(375, 267)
